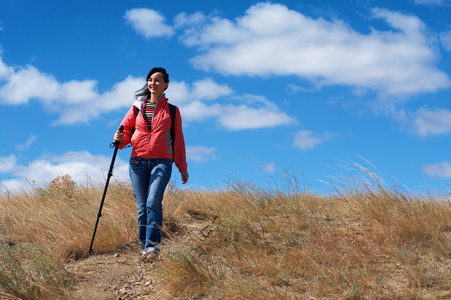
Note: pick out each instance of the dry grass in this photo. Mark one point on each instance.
(366, 241)
(32, 272)
(57, 223)
(63, 216)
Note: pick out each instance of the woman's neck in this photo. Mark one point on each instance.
(154, 98)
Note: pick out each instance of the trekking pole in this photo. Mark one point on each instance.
(114, 144)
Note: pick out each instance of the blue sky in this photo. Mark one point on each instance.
(298, 85)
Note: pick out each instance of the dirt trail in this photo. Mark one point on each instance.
(117, 275)
(114, 275)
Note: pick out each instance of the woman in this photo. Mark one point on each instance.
(147, 126)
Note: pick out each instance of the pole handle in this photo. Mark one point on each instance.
(116, 143)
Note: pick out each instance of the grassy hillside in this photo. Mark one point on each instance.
(366, 241)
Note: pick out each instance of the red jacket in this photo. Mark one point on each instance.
(155, 144)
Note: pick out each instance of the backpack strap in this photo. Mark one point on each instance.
(136, 114)
(132, 130)
(172, 111)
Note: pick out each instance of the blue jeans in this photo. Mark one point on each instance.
(149, 179)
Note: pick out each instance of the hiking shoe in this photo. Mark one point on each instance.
(142, 257)
(153, 255)
(143, 254)
(148, 256)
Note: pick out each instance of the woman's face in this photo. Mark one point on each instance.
(156, 84)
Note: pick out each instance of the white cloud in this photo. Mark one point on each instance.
(435, 121)
(77, 92)
(7, 163)
(85, 103)
(80, 97)
(208, 89)
(199, 111)
(270, 39)
(200, 153)
(257, 112)
(14, 185)
(183, 19)
(38, 85)
(28, 143)
(88, 104)
(179, 93)
(5, 71)
(81, 166)
(445, 38)
(148, 22)
(269, 168)
(240, 117)
(91, 104)
(307, 139)
(433, 2)
(439, 170)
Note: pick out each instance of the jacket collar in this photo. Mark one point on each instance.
(139, 102)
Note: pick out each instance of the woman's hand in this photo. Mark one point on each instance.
(119, 136)
(184, 177)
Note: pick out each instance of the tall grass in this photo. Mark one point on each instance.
(365, 242)
(32, 272)
(282, 241)
(42, 228)
(63, 216)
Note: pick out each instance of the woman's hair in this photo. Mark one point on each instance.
(144, 91)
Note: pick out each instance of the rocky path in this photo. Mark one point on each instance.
(114, 275)
(117, 275)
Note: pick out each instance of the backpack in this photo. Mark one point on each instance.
(172, 112)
